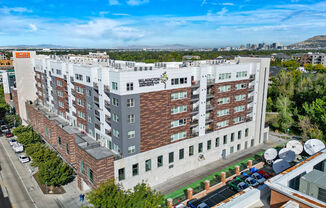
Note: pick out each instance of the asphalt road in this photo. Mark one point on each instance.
(18, 195)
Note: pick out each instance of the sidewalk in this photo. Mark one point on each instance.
(195, 175)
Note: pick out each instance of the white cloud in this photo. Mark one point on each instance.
(203, 2)
(114, 2)
(136, 2)
(33, 27)
(223, 11)
(8, 10)
(102, 13)
(227, 4)
(120, 14)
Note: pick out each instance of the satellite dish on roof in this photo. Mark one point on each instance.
(295, 146)
(287, 154)
(270, 154)
(280, 165)
(313, 146)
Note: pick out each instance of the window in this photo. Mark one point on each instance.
(238, 119)
(89, 106)
(225, 139)
(79, 77)
(181, 154)
(177, 81)
(240, 97)
(130, 86)
(59, 142)
(148, 165)
(240, 86)
(241, 74)
(223, 112)
(90, 175)
(222, 124)
(135, 169)
(115, 101)
(121, 173)
(82, 169)
(114, 86)
(88, 79)
(217, 141)
(200, 147)
(209, 144)
(191, 150)
(58, 72)
(80, 102)
(88, 92)
(239, 134)
(178, 123)
(171, 157)
(115, 117)
(131, 134)
(61, 104)
(238, 147)
(224, 76)
(160, 161)
(222, 101)
(131, 149)
(60, 93)
(179, 109)
(81, 115)
(231, 150)
(232, 137)
(178, 136)
(178, 95)
(115, 133)
(79, 90)
(59, 83)
(130, 103)
(131, 118)
(246, 132)
(239, 108)
(225, 88)
(67, 149)
(252, 142)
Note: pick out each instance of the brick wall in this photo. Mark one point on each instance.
(15, 100)
(278, 199)
(80, 108)
(7, 98)
(39, 90)
(63, 99)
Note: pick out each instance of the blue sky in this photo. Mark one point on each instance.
(200, 23)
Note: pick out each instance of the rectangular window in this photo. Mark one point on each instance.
(178, 95)
(115, 133)
(79, 90)
(89, 119)
(241, 74)
(130, 86)
(231, 150)
(223, 112)
(200, 147)
(217, 141)
(80, 102)
(224, 76)
(135, 169)
(225, 139)
(121, 173)
(89, 106)
(148, 165)
(246, 132)
(191, 150)
(59, 142)
(131, 149)
(222, 101)
(88, 79)
(160, 161)
(209, 144)
(60, 93)
(225, 88)
(252, 142)
(181, 154)
(82, 169)
(178, 136)
(79, 77)
(90, 175)
(58, 72)
(177, 81)
(238, 147)
(171, 157)
(59, 83)
(232, 137)
(179, 109)
(240, 86)
(239, 108)
(131, 134)
(130, 103)
(81, 115)
(114, 85)
(178, 123)
(239, 134)
(222, 124)
(61, 104)
(238, 119)
(88, 92)
(239, 97)
(115, 101)
(115, 117)
(67, 149)
(131, 118)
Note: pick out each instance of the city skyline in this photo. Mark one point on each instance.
(121, 23)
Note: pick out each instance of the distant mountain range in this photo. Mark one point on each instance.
(318, 41)
(35, 46)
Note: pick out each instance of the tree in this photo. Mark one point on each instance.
(284, 115)
(33, 148)
(54, 172)
(13, 120)
(42, 155)
(109, 195)
(4, 109)
(317, 113)
(308, 67)
(319, 68)
(269, 106)
(28, 137)
(20, 129)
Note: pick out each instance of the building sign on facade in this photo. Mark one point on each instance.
(23, 55)
(153, 81)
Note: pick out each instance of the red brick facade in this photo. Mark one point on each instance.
(15, 100)
(64, 99)
(278, 199)
(80, 108)
(38, 84)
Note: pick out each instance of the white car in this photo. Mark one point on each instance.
(4, 129)
(259, 178)
(24, 159)
(18, 148)
(12, 142)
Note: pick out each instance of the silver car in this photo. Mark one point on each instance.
(259, 178)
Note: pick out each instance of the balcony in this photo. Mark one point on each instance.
(73, 92)
(194, 97)
(250, 99)
(252, 77)
(194, 134)
(249, 119)
(210, 82)
(98, 127)
(107, 105)
(194, 110)
(71, 79)
(95, 85)
(108, 119)
(210, 95)
(106, 90)
(194, 123)
(209, 107)
(251, 89)
(208, 129)
(96, 99)
(209, 120)
(108, 132)
(249, 110)
(195, 84)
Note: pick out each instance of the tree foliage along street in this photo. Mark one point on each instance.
(4, 107)
(300, 100)
(111, 195)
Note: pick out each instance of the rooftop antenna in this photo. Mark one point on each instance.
(295, 146)
(312, 146)
(280, 165)
(287, 154)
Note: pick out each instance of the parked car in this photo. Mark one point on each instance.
(12, 142)
(23, 158)
(18, 148)
(4, 129)
(9, 134)
(180, 206)
(192, 203)
(266, 175)
(259, 178)
(238, 184)
(203, 205)
(249, 180)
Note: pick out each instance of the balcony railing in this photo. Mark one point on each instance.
(210, 95)
(194, 134)
(106, 89)
(194, 97)
(195, 83)
(252, 77)
(210, 81)
(108, 132)
(251, 89)
(95, 85)
(107, 104)
(249, 110)
(209, 107)
(194, 122)
(108, 119)
(96, 99)
(249, 119)
(250, 99)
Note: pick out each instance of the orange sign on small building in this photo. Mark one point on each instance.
(23, 55)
